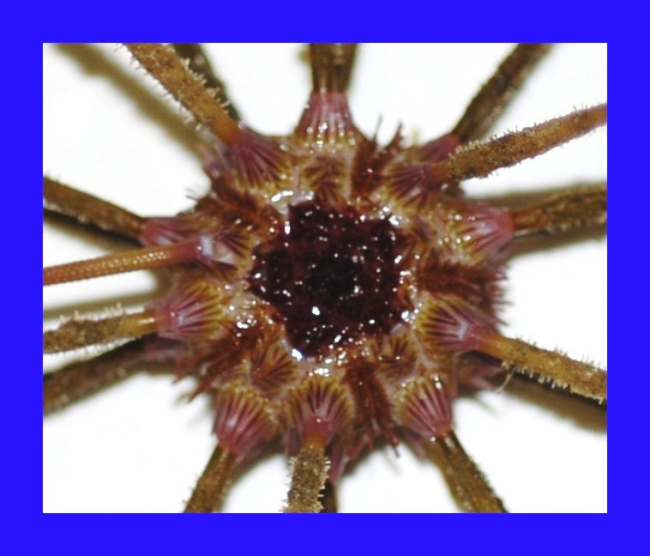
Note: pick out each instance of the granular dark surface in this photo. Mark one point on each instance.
(331, 276)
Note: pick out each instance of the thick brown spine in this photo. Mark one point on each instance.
(87, 209)
(211, 488)
(200, 65)
(494, 96)
(77, 381)
(572, 209)
(580, 378)
(331, 66)
(481, 159)
(162, 62)
(308, 476)
(467, 482)
(78, 333)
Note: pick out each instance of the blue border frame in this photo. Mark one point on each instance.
(391, 534)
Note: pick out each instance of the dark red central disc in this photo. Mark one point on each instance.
(331, 276)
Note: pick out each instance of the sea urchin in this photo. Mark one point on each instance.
(430, 291)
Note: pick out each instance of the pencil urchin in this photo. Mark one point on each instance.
(488, 430)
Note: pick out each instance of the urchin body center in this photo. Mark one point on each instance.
(330, 276)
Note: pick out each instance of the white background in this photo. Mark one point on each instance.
(140, 446)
